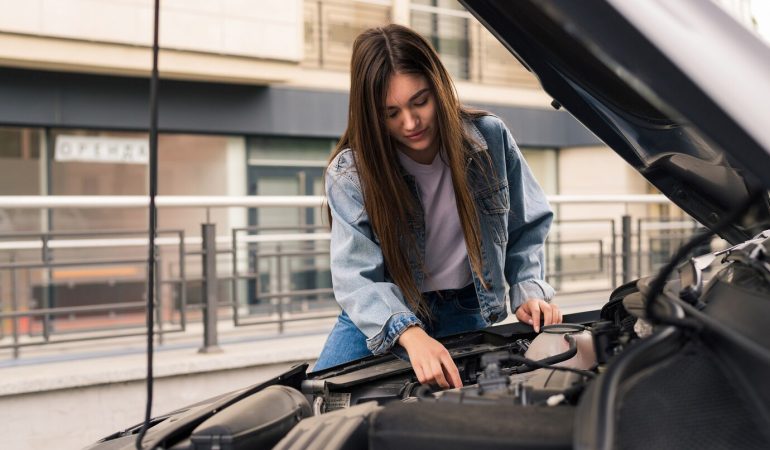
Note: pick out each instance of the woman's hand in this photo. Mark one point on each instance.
(531, 311)
(431, 361)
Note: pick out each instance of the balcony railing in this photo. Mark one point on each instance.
(332, 25)
(467, 49)
(58, 287)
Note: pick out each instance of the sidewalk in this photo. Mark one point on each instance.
(71, 395)
(62, 366)
(87, 363)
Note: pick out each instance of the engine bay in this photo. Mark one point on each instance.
(496, 366)
(560, 388)
(599, 379)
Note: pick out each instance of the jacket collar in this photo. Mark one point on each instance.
(478, 143)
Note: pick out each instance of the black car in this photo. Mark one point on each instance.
(681, 92)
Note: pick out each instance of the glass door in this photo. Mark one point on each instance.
(287, 264)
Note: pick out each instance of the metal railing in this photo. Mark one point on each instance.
(20, 251)
(252, 272)
(282, 292)
(556, 271)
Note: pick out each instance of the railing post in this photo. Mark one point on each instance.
(626, 243)
(236, 276)
(158, 296)
(210, 300)
(280, 288)
(49, 292)
(613, 255)
(182, 283)
(14, 308)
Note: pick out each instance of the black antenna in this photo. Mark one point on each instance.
(153, 224)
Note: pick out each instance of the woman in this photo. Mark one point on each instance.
(432, 211)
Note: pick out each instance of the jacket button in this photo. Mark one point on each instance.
(493, 318)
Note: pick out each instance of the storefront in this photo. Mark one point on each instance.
(216, 139)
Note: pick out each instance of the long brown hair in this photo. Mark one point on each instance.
(378, 53)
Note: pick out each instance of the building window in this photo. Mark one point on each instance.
(287, 166)
(90, 162)
(331, 26)
(447, 26)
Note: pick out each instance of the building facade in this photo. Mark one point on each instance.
(252, 98)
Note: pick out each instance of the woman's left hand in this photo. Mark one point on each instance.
(531, 311)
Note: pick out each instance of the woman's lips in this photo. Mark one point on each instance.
(416, 136)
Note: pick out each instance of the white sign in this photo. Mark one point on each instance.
(102, 149)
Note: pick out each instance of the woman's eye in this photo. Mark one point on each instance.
(392, 114)
(421, 102)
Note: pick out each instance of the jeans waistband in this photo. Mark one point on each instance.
(448, 294)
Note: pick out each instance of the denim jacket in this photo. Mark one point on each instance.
(514, 217)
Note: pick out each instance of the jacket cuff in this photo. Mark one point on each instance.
(383, 341)
(528, 290)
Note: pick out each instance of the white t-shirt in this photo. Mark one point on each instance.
(446, 256)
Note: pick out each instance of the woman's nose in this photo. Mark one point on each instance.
(411, 121)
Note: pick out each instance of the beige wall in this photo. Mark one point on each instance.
(77, 417)
(254, 28)
(597, 171)
(233, 41)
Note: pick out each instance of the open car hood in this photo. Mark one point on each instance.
(678, 89)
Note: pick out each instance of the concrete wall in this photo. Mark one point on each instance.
(77, 417)
(254, 28)
(69, 395)
(598, 171)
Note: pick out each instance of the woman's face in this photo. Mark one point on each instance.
(410, 116)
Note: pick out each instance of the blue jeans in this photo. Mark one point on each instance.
(453, 312)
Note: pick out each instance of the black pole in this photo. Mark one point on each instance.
(626, 243)
(153, 224)
(210, 289)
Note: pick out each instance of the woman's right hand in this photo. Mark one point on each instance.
(431, 361)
